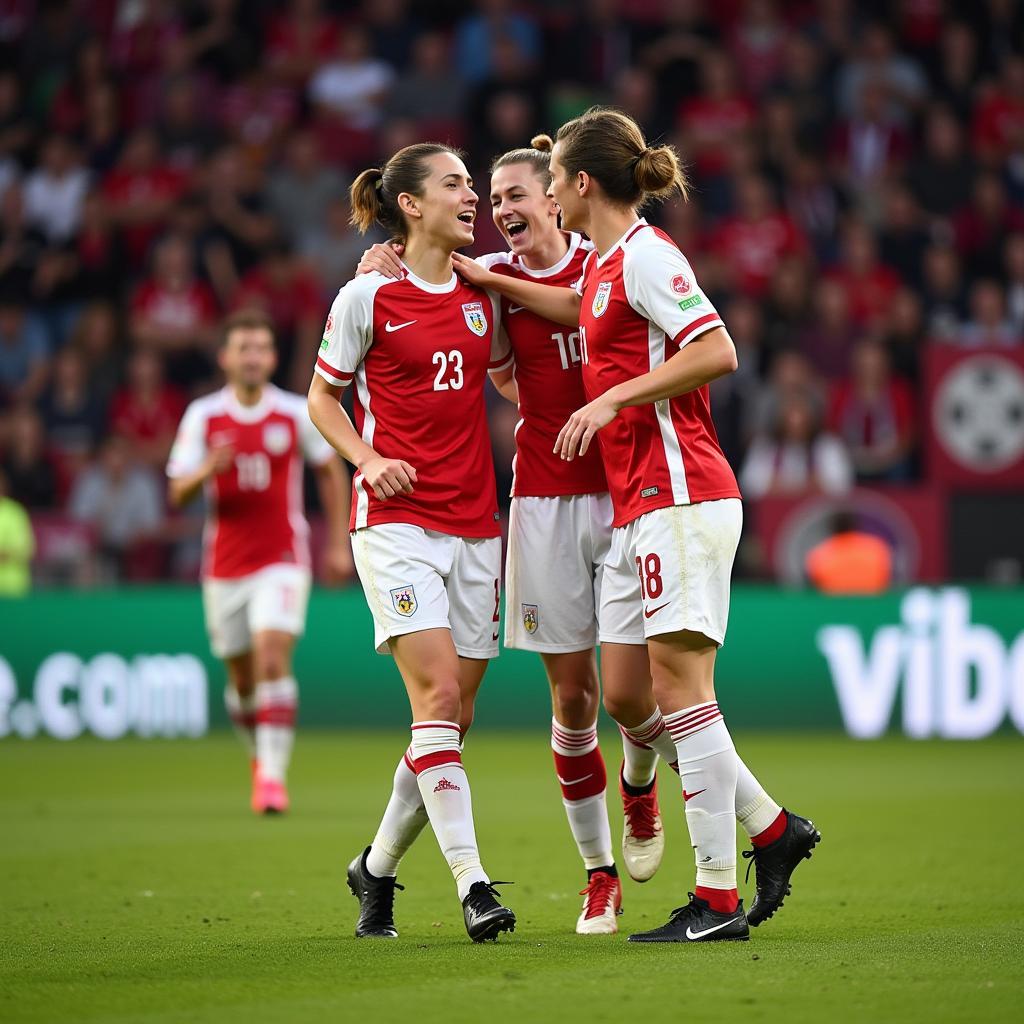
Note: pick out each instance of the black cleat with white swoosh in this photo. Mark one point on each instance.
(697, 922)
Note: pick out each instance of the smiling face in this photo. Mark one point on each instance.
(445, 208)
(522, 210)
(565, 189)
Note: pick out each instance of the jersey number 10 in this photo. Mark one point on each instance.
(253, 471)
(567, 347)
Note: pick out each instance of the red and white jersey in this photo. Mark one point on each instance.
(640, 303)
(550, 380)
(255, 507)
(419, 355)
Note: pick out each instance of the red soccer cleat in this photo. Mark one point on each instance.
(268, 796)
(643, 841)
(602, 904)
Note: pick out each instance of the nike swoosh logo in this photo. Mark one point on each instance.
(389, 326)
(654, 611)
(575, 782)
(494, 636)
(687, 797)
(516, 309)
(691, 934)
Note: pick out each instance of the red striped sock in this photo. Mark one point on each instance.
(725, 901)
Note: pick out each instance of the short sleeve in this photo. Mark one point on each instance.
(189, 448)
(315, 449)
(348, 332)
(501, 348)
(661, 285)
(578, 285)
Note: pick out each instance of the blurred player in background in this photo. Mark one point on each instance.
(650, 343)
(244, 447)
(425, 524)
(559, 533)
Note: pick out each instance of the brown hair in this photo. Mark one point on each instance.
(537, 158)
(611, 148)
(374, 193)
(246, 320)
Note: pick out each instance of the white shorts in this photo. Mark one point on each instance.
(683, 555)
(273, 598)
(556, 553)
(416, 579)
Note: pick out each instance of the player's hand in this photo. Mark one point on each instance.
(388, 477)
(220, 460)
(582, 425)
(385, 259)
(337, 563)
(471, 271)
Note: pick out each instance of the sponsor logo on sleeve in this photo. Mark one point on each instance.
(681, 284)
(693, 300)
(648, 492)
(531, 618)
(476, 321)
(600, 304)
(404, 600)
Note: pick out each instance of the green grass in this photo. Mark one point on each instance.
(136, 886)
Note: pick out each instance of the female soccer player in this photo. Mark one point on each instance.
(559, 534)
(650, 343)
(425, 518)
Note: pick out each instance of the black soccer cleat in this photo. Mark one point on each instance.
(776, 863)
(485, 916)
(376, 901)
(697, 922)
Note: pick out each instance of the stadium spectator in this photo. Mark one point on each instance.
(958, 71)
(850, 561)
(988, 325)
(298, 40)
(428, 90)
(302, 189)
(897, 77)
(24, 353)
(942, 174)
(830, 334)
(257, 110)
(55, 190)
(477, 36)
(999, 113)
(124, 505)
(96, 336)
(943, 293)
(982, 226)
(797, 457)
(354, 85)
(31, 475)
(874, 414)
(1013, 271)
(903, 334)
(74, 415)
(868, 283)
(903, 237)
(146, 410)
(17, 545)
(187, 134)
(176, 313)
(335, 252)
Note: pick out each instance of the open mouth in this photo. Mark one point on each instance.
(515, 227)
(467, 217)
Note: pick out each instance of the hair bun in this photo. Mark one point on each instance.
(542, 142)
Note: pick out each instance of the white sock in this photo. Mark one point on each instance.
(276, 703)
(641, 746)
(242, 712)
(402, 823)
(707, 768)
(581, 774)
(755, 809)
(444, 786)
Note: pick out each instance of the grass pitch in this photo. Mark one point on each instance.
(135, 886)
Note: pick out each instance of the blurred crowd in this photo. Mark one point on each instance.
(858, 195)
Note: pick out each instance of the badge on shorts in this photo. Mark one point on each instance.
(531, 618)
(276, 438)
(404, 600)
(475, 319)
(604, 290)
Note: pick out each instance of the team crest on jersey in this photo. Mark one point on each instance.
(404, 600)
(531, 618)
(604, 290)
(681, 284)
(475, 319)
(276, 438)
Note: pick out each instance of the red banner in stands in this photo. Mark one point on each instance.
(911, 519)
(974, 430)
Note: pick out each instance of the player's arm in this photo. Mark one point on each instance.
(504, 382)
(659, 285)
(333, 485)
(183, 489)
(387, 477)
(191, 463)
(553, 302)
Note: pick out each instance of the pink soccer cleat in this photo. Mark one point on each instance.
(268, 796)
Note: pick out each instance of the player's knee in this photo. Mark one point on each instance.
(441, 699)
(575, 704)
(618, 706)
(272, 661)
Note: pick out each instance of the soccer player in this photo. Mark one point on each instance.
(559, 534)
(244, 446)
(650, 343)
(425, 516)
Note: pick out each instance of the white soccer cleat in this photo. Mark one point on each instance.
(602, 903)
(643, 840)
